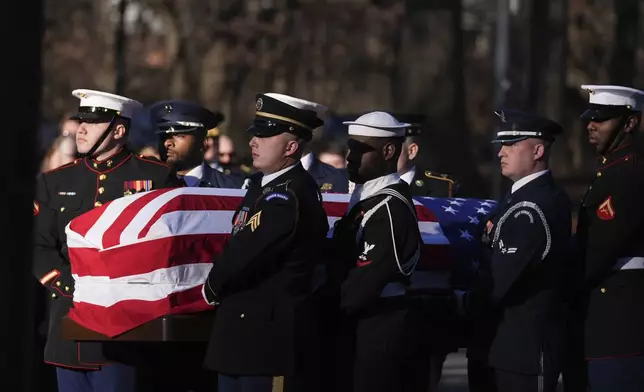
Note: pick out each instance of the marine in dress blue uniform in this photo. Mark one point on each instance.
(182, 128)
(106, 172)
(528, 237)
(265, 328)
(610, 236)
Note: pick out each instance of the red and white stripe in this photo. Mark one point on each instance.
(143, 256)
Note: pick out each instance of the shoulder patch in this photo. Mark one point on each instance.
(606, 211)
(277, 195)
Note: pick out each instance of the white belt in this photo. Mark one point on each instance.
(629, 263)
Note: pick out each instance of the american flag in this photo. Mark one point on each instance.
(144, 256)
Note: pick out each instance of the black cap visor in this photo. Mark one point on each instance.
(268, 128)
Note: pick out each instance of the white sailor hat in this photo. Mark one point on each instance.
(99, 106)
(605, 101)
(377, 124)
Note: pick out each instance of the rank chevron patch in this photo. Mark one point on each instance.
(254, 221)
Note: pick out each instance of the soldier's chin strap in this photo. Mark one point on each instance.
(92, 151)
(619, 136)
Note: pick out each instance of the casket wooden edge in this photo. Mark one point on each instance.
(194, 327)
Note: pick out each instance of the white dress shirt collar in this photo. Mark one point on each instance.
(270, 177)
(527, 179)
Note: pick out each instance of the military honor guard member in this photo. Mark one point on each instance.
(422, 182)
(610, 235)
(378, 242)
(182, 128)
(528, 237)
(107, 171)
(328, 177)
(261, 284)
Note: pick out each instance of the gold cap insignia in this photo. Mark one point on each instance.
(326, 187)
(259, 104)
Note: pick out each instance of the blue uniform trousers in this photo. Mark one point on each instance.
(110, 378)
(624, 374)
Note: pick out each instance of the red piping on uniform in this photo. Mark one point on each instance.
(70, 164)
(109, 170)
(614, 356)
(151, 161)
(78, 350)
(109, 157)
(71, 367)
(625, 158)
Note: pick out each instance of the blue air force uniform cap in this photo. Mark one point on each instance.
(606, 102)
(279, 113)
(177, 116)
(516, 125)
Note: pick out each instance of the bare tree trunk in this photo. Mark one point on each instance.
(23, 82)
(626, 39)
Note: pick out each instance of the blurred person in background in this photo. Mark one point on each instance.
(63, 149)
(150, 151)
(332, 153)
(328, 177)
(422, 182)
(210, 154)
(227, 158)
(182, 128)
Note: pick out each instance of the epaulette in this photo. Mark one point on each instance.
(65, 166)
(452, 184)
(151, 159)
(246, 169)
(439, 176)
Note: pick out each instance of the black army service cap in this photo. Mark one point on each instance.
(607, 101)
(176, 116)
(516, 125)
(279, 113)
(102, 107)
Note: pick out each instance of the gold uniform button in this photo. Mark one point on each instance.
(53, 295)
(102, 177)
(95, 165)
(603, 159)
(98, 204)
(101, 190)
(242, 315)
(109, 163)
(66, 288)
(599, 174)
(603, 290)
(58, 283)
(62, 209)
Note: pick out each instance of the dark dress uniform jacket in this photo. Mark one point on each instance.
(264, 279)
(328, 178)
(610, 232)
(529, 236)
(377, 240)
(428, 183)
(61, 195)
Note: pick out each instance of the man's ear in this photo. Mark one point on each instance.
(119, 131)
(412, 151)
(539, 151)
(292, 146)
(632, 123)
(388, 151)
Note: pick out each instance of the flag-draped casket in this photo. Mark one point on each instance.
(147, 255)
